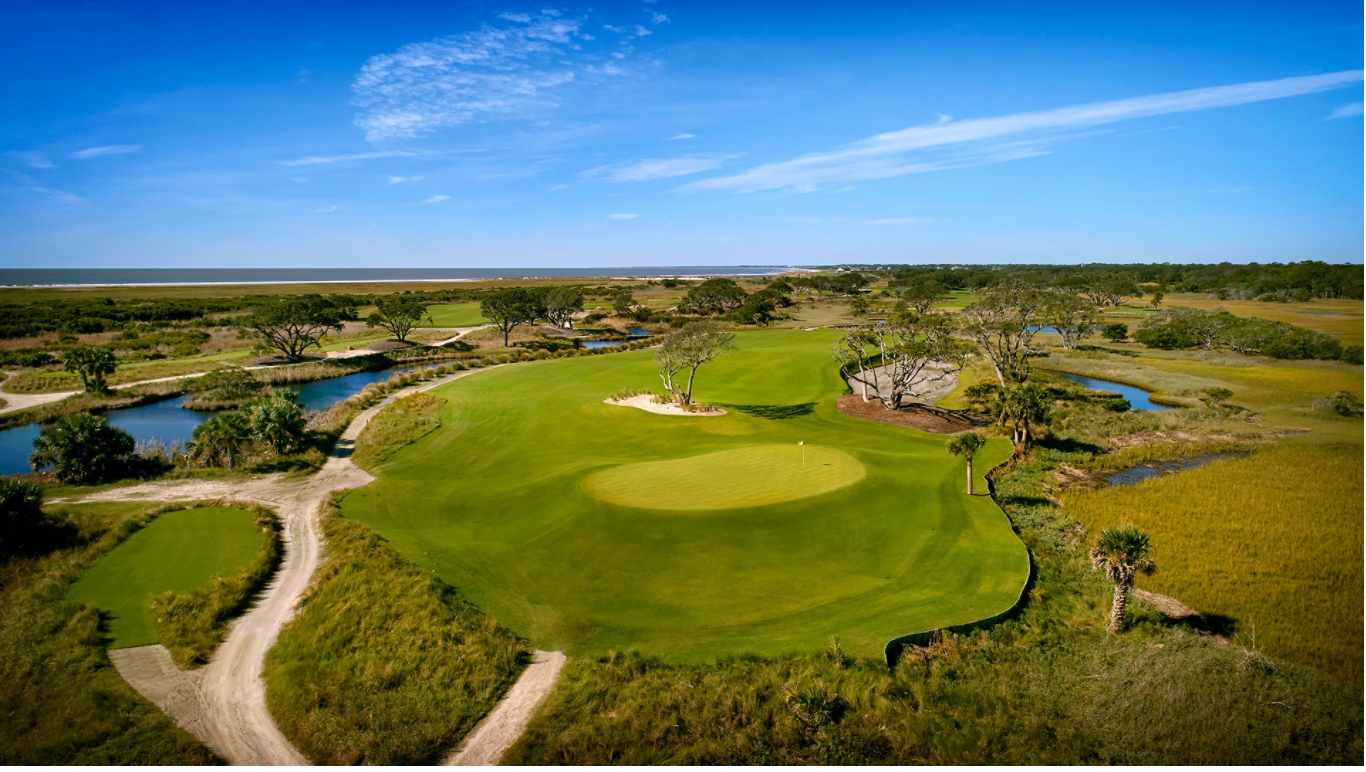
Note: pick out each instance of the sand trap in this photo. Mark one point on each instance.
(646, 402)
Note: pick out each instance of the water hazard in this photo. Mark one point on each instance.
(1138, 398)
(169, 421)
(1138, 474)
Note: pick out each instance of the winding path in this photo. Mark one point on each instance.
(224, 704)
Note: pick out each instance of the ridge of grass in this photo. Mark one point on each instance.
(396, 425)
(385, 663)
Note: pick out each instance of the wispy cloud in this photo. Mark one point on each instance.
(1347, 111)
(435, 199)
(98, 152)
(35, 160)
(654, 169)
(898, 221)
(683, 136)
(497, 70)
(622, 216)
(401, 180)
(325, 210)
(895, 153)
(332, 159)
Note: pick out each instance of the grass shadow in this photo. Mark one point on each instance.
(1068, 445)
(775, 412)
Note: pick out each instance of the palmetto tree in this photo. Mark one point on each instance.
(1122, 553)
(966, 445)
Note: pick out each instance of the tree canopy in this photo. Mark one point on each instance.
(292, 325)
(398, 314)
(511, 307)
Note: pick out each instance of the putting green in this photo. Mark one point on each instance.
(541, 504)
(178, 552)
(744, 477)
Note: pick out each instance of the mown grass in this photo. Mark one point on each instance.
(62, 701)
(1274, 540)
(1047, 687)
(384, 664)
(192, 624)
(454, 315)
(181, 551)
(495, 503)
(396, 425)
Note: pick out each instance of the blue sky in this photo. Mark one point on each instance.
(667, 133)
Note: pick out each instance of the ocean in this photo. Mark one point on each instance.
(107, 277)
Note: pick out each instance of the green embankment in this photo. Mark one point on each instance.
(177, 552)
(494, 503)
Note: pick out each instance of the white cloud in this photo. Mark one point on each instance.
(658, 18)
(97, 152)
(654, 169)
(683, 136)
(1347, 111)
(36, 160)
(505, 70)
(325, 210)
(898, 221)
(297, 179)
(641, 31)
(435, 199)
(891, 154)
(401, 180)
(622, 216)
(332, 159)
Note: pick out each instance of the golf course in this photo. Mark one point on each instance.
(585, 526)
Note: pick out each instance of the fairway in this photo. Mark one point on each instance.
(454, 315)
(745, 477)
(178, 551)
(586, 527)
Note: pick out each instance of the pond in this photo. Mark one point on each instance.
(168, 420)
(1138, 474)
(634, 333)
(1138, 398)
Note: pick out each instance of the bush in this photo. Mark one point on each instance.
(22, 521)
(1344, 403)
(1351, 355)
(1115, 333)
(83, 449)
(1304, 344)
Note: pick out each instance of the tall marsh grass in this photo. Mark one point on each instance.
(384, 664)
(398, 424)
(1274, 539)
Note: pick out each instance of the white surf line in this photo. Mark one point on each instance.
(488, 742)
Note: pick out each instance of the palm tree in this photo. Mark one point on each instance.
(966, 445)
(1122, 553)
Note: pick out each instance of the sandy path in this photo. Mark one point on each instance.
(500, 729)
(224, 704)
(460, 333)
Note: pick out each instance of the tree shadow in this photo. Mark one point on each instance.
(1068, 445)
(775, 412)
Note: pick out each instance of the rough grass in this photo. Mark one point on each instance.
(191, 625)
(1048, 687)
(62, 701)
(1158, 452)
(1273, 540)
(1341, 318)
(396, 425)
(384, 664)
(181, 550)
(743, 477)
(494, 502)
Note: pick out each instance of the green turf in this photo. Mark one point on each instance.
(494, 502)
(455, 315)
(743, 477)
(178, 551)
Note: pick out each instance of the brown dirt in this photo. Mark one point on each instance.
(926, 418)
(1167, 605)
(387, 345)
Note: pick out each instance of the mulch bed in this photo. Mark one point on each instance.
(926, 418)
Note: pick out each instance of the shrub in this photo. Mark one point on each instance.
(1115, 333)
(1344, 403)
(1304, 344)
(1352, 355)
(21, 516)
(83, 449)
(276, 420)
